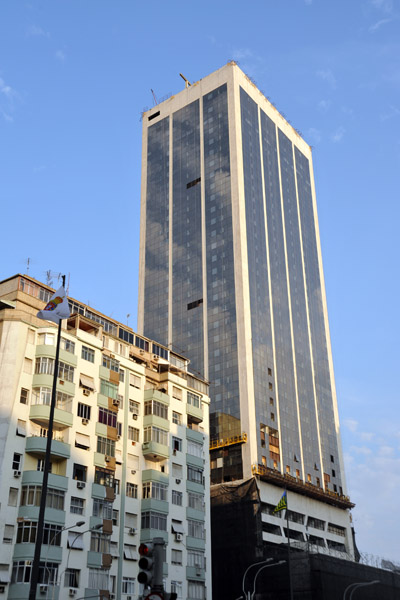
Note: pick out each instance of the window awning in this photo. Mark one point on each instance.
(82, 439)
(87, 382)
(130, 553)
(177, 528)
(4, 576)
(75, 540)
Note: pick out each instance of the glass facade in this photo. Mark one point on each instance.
(190, 242)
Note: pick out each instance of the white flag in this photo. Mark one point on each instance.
(57, 307)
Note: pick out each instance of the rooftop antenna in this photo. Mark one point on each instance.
(27, 265)
(154, 97)
(187, 82)
(127, 318)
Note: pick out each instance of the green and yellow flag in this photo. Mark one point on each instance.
(282, 504)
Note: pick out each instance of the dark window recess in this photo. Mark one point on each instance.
(156, 114)
(193, 183)
(194, 304)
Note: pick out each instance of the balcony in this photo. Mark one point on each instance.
(155, 451)
(40, 414)
(36, 445)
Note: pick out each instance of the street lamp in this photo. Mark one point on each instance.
(355, 586)
(78, 524)
(281, 562)
(95, 528)
(262, 562)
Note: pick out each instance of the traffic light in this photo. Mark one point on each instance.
(146, 563)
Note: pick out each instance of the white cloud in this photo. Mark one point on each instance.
(324, 105)
(378, 24)
(361, 450)
(6, 116)
(7, 97)
(314, 135)
(384, 5)
(351, 424)
(328, 76)
(6, 90)
(337, 136)
(34, 30)
(393, 111)
(60, 55)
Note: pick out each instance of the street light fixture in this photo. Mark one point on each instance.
(356, 585)
(262, 562)
(281, 562)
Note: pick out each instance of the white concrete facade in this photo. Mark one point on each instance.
(129, 454)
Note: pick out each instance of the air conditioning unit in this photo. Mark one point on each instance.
(155, 357)
(80, 485)
(174, 451)
(115, 402)
(112, 596)
(43, 588)
(86, 392)
(178, 537)
(129, 598)
(2, 589)
(132, 531)
(198, 571)
(85, 421)
(142, 352)
(118, 437)
(133, 472)
(17, 473)
(107, 458)
(134, 417)
(177, 481)
(72, 591)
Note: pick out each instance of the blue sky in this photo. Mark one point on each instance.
(74, 78)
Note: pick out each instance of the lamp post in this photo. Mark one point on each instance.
(78, 524)
(262, 562)
(355, 586)
(95, 528)
(281, 562)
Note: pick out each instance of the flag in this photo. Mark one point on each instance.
(57, 307)
(282, 504)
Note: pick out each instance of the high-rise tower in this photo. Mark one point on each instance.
(231, 276)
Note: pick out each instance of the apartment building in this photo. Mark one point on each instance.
(129, 455)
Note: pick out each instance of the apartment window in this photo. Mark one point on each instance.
(115, 517)
(194, 399)
(270, 386)
(177, 498)
(315, 523)
(128, 585)
(336, 529)
(110, 363)
(176, 444)
(332, 458)
(84, 411)
(121, 375)
(134, 407)
(87, 354)
(176, 557)
(333, 473)
(272, 416)
(196, 501)
(271, 401)
(21, 572)
(24, 396)
(82, 441)
(176, 587)
(100, 542)
(55, 499)
(71, 578)
(42, 395)
(8, 535)
(176, 418)
(195, 474)
(102, 508)
(107, 417)
(17, 461)
(177, 470)
(196, 591)
(154, 520)
(108, 389)
(195, 449)
(105, 446)
(131, 490)
(196, 558)
(177, 393)
(12, 496)
(295, 517)
(269, 372)
(40, 462)
(196, 529)
(153, 489)
(46, 339)
(75, 540)
(98, 579)
(104, 477)
(21, 428)
(66, 372)
(79, 472)
(153, 407)
(133, 434)
(77, 505)
(28, 366)
(134, 381)
(155, 434)
(67, 345)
